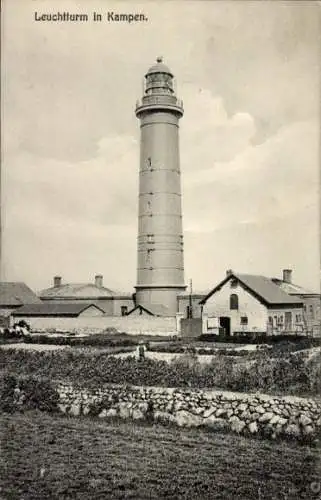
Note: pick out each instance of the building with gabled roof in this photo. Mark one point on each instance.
(253, 303)
(311, 300)
(151, 310)
(14, 295)
(111, 302)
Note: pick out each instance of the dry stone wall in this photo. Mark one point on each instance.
(248, 414)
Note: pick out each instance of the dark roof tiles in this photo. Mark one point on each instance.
(16, 294)
(55, 309)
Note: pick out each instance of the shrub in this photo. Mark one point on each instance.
(291, 373)
(27, 393)
(7, 386)
(39, 394)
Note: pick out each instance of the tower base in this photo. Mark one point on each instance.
(163, 297)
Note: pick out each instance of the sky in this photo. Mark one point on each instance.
(249, 76)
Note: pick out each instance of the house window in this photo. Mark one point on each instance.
(244, 320)
(281, 320)
(270, 320)
(234, 302)
(123, 310)
(298, 318)
(311, 311)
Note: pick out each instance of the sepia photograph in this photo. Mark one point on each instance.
(160, 300)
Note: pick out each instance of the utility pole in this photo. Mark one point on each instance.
(190, 298)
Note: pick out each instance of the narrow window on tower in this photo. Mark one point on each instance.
(149, 162)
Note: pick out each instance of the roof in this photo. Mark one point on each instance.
(152, 310)
(76, 291)
(292, 289)
(55, 309)
(16, 294)
(260, 286)
(159, 67)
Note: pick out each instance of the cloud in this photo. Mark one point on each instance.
(276, 178)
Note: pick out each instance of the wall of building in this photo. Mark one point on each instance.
(184, 302)
(118, 303)
(219, 305)
(6, 311)
(132, 325)
(277, 321)
(312, 312)
(91, 311)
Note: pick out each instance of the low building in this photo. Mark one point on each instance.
(13, 295)
(252, 303)
(57, 309)
(311, 301)
(189, 304)
(152, 310)
(111, 302)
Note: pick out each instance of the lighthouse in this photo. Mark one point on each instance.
(160, 260)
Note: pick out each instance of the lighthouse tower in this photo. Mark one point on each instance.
(160, 262)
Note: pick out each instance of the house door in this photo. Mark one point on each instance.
(288, 322)
(225, 323)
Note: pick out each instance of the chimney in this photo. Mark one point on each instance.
(287, 275)
(99, 280)
(57, 280)
(229, 272)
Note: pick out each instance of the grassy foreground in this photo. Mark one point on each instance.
(50, 457)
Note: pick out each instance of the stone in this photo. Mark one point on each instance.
(112, 412)
(74, 410)
(305, 420)
(143, 406)
(260, 409)
(198, 411)
(266, 417)
(253, 427)
(137, 414)
(185, 419)
(293, 431)
(308, 430)
(220, 411)
(216, 424)
(103, 414)
(237, 426)
(62, 407)
(274, 419)
(282, 421)
(125, 410)
(209, 412)
(162, 416)
(242, 407)
(85, 409)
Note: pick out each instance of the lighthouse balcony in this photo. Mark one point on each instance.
(167, 102)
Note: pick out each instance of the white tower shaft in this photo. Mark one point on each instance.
(160, 262)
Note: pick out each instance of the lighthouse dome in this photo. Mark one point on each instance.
(159, 67)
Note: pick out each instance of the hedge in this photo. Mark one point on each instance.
(291, 374)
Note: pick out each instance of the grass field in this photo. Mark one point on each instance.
(47, 457)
